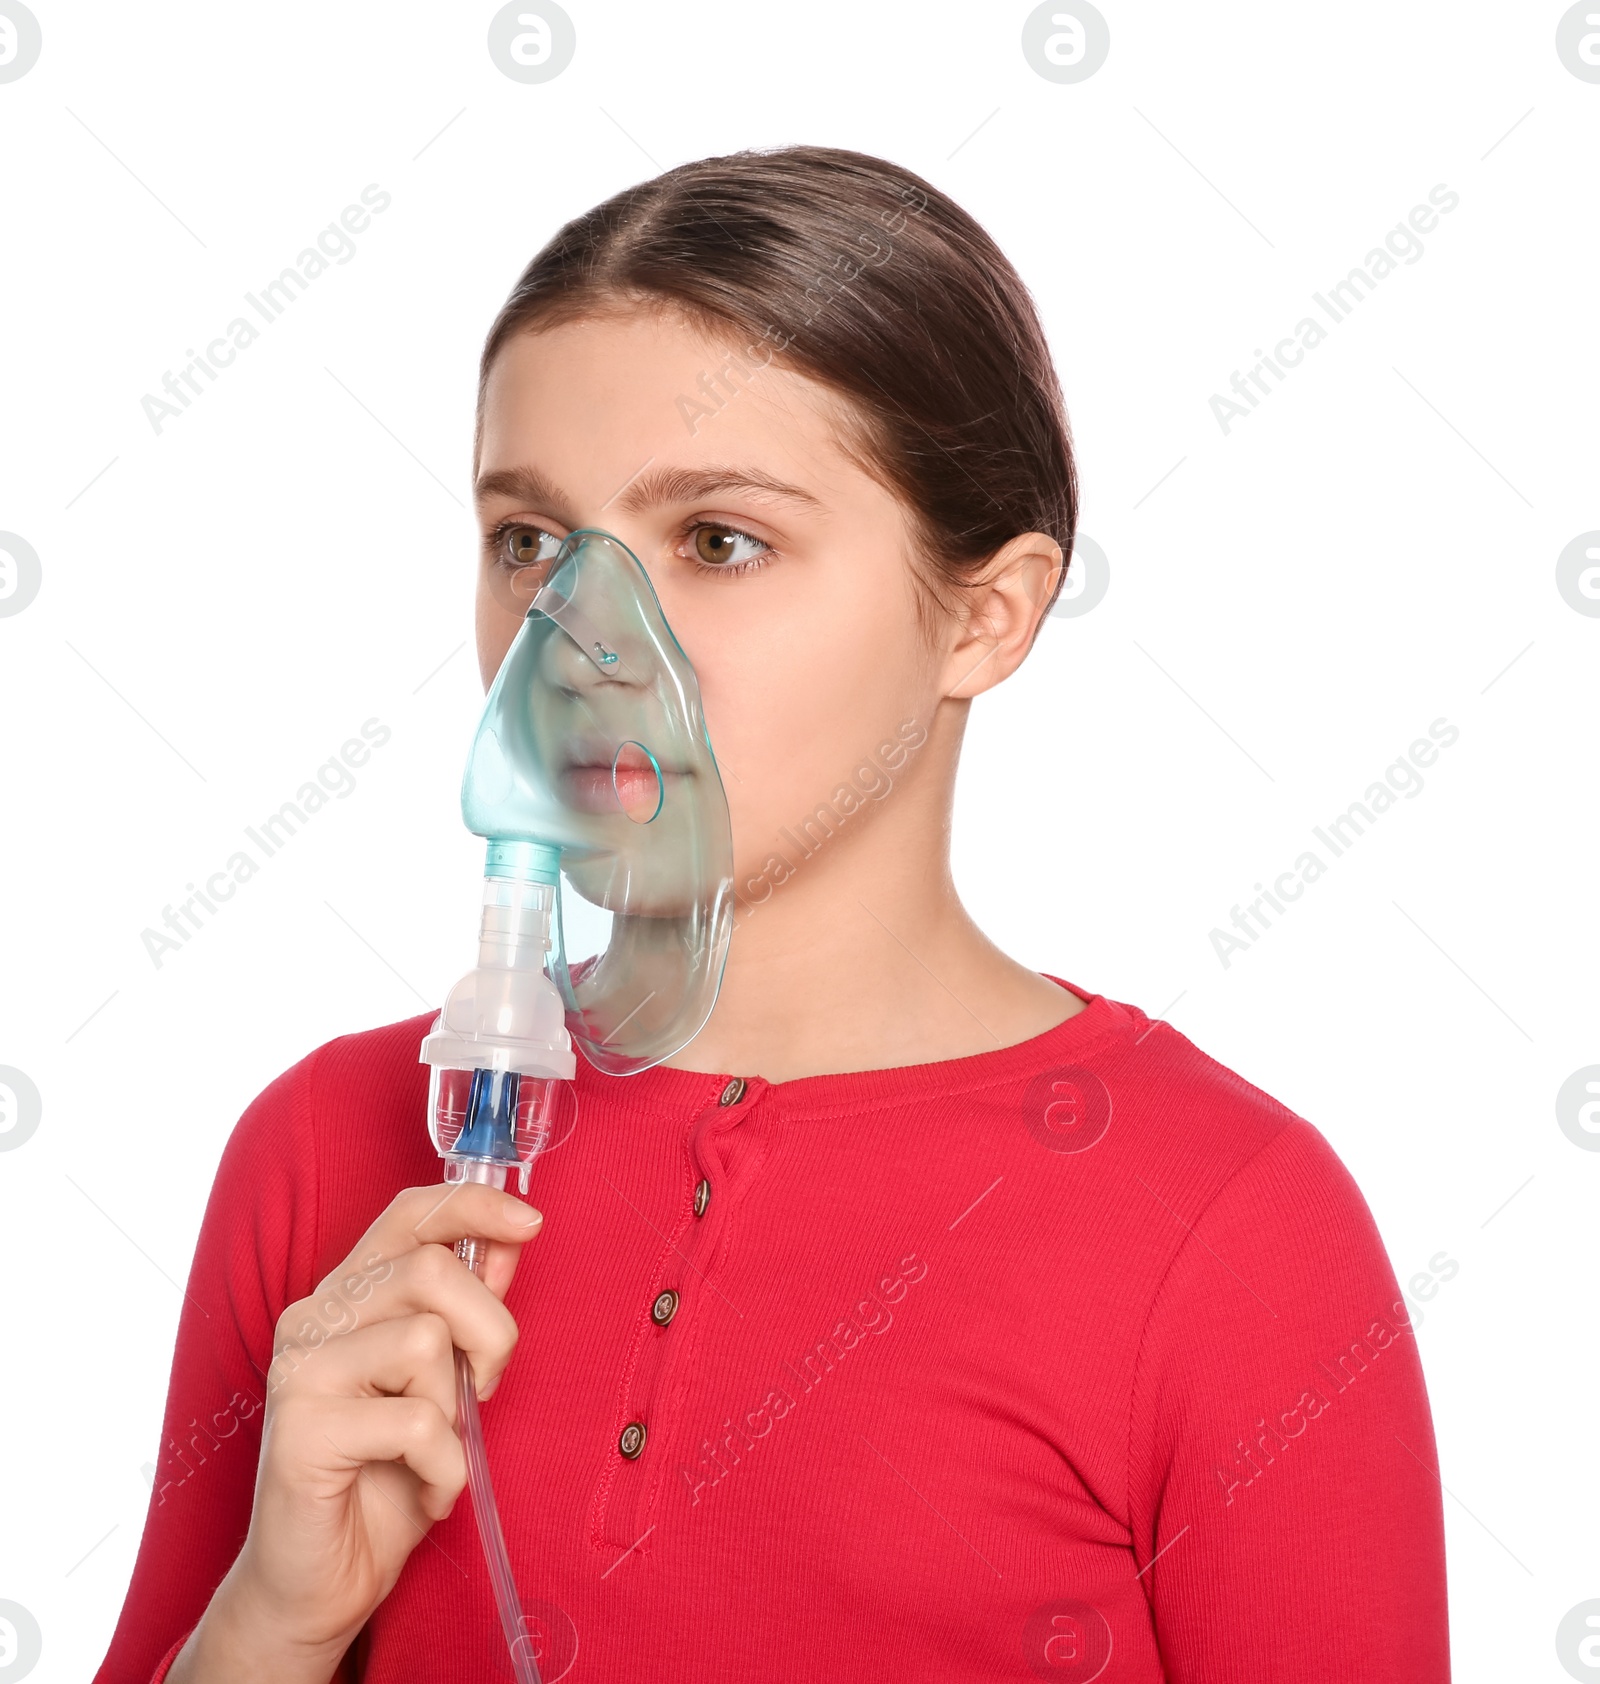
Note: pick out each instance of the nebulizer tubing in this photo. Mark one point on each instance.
(480, 1487)
(593, 782)
(469, 1424)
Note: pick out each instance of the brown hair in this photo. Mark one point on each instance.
(864, 277)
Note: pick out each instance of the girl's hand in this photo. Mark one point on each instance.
(359, 1453)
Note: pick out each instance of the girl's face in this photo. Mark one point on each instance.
(781, 566)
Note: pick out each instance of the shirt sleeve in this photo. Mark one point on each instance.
(1283, 1482)
(255, 1254)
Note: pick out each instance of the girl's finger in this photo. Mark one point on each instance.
(340, 1435)
(409, 1356)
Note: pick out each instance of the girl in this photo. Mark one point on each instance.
(927, 1317)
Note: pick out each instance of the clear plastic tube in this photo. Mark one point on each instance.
(470, 1426)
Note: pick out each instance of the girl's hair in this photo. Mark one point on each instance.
(864, 277)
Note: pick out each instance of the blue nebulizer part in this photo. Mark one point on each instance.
(607, 902)
(490, 1130)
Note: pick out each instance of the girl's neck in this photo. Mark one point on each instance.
(865, 960)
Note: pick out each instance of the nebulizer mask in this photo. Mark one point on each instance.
(607, 902)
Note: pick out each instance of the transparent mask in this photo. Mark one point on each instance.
(592, 770)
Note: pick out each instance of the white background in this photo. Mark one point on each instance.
(1290, 605)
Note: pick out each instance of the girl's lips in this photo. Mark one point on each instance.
(634, 790)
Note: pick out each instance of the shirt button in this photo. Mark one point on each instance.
(664, 1308)
(733, 1093)
(702, 1197)
(632, 1440)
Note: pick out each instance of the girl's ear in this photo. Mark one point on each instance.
(995, 628)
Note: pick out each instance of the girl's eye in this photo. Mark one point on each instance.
(517, 544)
(519, 555)
(715, 548)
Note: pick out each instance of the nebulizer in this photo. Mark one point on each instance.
(607, 901)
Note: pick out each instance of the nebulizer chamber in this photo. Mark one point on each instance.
(607, 903)
(500, 1045)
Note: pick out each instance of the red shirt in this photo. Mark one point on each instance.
(1077, 1359)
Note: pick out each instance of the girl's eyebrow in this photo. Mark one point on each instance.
(644, 490)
